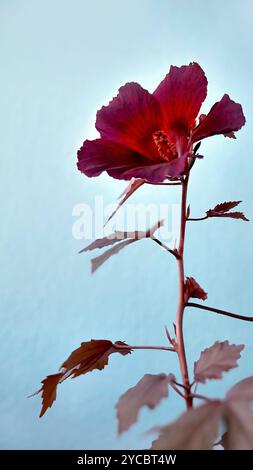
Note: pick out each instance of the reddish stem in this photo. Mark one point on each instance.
(178, 391)
(197, 219)
(219, 311)
(160, 348)
(181, 302)
(172, 252)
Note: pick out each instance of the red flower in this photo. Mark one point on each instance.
(151, 136)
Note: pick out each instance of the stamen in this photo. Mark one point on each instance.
(166, 149)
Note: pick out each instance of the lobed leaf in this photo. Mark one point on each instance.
(105, 241)
(117, 237)
(234, 215)
(89, 356)
(48, 389)
(196, 429)
(149, 391)
(221, 357)
(243, 390)
(239, 421)
(224, 206)
(223, 210)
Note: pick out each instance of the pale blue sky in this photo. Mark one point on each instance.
(60, 61)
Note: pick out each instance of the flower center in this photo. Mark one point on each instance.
(166, 149)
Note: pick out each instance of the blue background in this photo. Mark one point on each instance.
(60, 61)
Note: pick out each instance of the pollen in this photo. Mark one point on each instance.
(166, 149)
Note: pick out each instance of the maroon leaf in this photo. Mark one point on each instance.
(243, 390)
(134, 184)
(195, 430)
(149, 391)
(90, 355)
(221, 357)
(48, 389)
(193, 289)
(234, 215)
(117, 237)
(224, 207)
(223, 210)
(239, 421)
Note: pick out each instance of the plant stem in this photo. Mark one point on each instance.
(181, 302)
(172, 252)
(201, 397)
(197, 219)
(221, 312)
(160, 348)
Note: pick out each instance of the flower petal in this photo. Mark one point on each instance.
(180, 95)
(96, 156)
(131, 119)
(225, 117)
(121, 162)
(158, 172)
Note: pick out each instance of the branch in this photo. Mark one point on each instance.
(178, 391)
(201, 397)
(200, 218)
(172, 252)
(161, 348)
(220, 312)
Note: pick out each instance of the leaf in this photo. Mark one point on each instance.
(90, 355)
(195, 430)
(234, 215)
(222, 210)
(105, 241)
(239, 420)
(99, 260)
(243, 390)
(149, 391)
(224, 206)
(48, 389)
(134, 184)
(221, 357)
(193, 289)
(114, 237)
(127, 237)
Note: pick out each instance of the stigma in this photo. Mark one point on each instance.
(166, 149)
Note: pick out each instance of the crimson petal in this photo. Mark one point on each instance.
(96, 156)
(131, 118)
(158, 172)
(225, 117)
(180, 95)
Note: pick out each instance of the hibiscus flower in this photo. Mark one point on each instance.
(151, 135)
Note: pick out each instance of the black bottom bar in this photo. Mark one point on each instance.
(110, 459)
